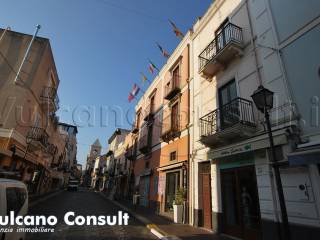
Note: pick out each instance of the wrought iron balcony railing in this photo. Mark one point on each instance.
(172, 88)
(51, 149)
(38, 135)
(144, 143)
(230, 33)
(171, 127)
(237, 111)
(148, 112)
(49, 97)
(130, 153)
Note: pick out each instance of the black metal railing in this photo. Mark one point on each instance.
(51, 149)
(50, 94)
(148, 112)
(130, 153)
(38, 135)
(144, 143)
(230, 33)
(238, 110)
(173, 87)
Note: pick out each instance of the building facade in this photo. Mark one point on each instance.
(237, 46)
(29, 136)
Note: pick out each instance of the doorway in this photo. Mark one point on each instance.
(206, 201)
(240, 203)
(172, 185)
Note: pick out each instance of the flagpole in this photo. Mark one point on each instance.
(27, 52)
(4, 33)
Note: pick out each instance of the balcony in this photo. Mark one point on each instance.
(130, 153)
(223, 49)
(171, 128)
(51, 150)
(231, 122)
(135, 128)
(172, 88)
(144, 144)
(148, 113)
(38, 137)
(49, 99)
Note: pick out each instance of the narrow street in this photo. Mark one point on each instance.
(85, 202)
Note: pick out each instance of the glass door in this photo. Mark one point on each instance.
(172, 184)
(241, 211)
(229, 107)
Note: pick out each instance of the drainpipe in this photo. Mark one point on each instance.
(187, 217)
(27, 52)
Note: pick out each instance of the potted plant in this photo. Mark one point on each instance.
(178, 205)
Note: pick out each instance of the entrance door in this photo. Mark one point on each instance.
(206, 201)
(144, 191)
(241, 213)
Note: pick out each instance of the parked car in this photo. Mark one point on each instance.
(13, 197)
(73, 185)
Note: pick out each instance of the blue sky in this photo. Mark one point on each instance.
(100, 47)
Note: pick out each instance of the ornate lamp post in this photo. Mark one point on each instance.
(263, 99)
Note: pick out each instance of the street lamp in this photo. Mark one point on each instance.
(263, 99)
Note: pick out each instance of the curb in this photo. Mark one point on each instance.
(154, 229)
(46, 197)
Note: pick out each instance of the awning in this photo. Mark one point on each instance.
(171, 166)
(305, 157)
(247, 146)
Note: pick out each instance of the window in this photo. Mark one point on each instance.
(152, 104)
(173, 156)
(175, 116)
(147, 165)
(227, 93)
(16, 198)
(229, 109)
(150, 131)
(175, 77)
(138, 119)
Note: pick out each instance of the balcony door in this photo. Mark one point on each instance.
(229, 113)
(175, 117)
(222, 35)
(175, 77)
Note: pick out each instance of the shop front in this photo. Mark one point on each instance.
(242, 170)
(172, 177)
(240, 201)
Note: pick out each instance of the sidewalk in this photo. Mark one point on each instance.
(163, 228)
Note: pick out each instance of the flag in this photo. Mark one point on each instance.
(135, 90)
(152, 67)
(130, 97)
(144, 77)
(164, 52)
(176, 30)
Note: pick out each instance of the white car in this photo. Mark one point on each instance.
(13, 197)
